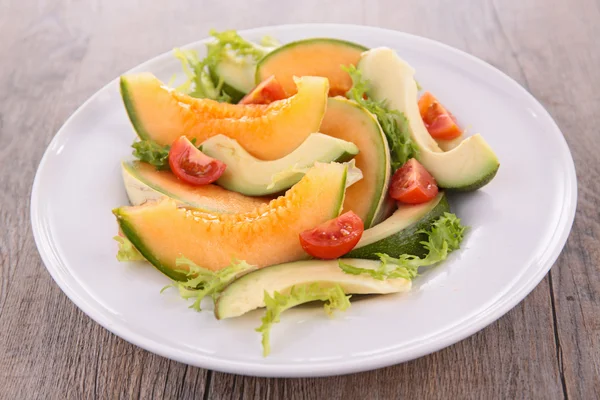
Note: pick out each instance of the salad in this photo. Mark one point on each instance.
(276, 175)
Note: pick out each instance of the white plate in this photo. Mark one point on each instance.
(519, 224)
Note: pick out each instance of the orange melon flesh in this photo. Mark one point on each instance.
(267, 132)
(162, 232)
(347, 120)
(311, 57)
(143, 182)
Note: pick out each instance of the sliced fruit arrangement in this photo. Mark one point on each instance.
(311, 57)
(364, 171)
(468, 166)
(266, 236)
(349, 121)
(145, 183)
(253, 177)
(267, 132)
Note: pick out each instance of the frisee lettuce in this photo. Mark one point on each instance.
(269, 42)
(229, 43)
(149, 151)
(445, 236)
(203, 282)
(334, 297)
(394, 124)
(200, 83)
(127, 251)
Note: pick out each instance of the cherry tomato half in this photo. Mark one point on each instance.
(266, 92)
(334, 238)
(440, 123)
(413, 184)
(191, 165)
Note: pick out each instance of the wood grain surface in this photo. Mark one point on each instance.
(54, 54)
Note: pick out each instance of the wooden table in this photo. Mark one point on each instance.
(54, 54)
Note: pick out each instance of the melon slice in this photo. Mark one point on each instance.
(348, 121)
(144, 183)
(162, 232)
(266, 131)
(311, 57)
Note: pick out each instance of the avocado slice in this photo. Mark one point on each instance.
(399, 234)
(247, 293)
(250, 176)
(468, 166)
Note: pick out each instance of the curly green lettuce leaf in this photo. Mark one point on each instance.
(227, 44)
(445, 236)
(127, 251)
(203, 282)
(394, 124)
(199, 82)
(334, 298)
(269, 42)
(149, 151)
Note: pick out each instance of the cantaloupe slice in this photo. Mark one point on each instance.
(267, 132)
(311, 57)
(348, 121)
(162, 232)
(144, 183)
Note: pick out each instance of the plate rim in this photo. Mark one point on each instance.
(436, 342)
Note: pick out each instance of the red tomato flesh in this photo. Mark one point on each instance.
(266, 92)
(191, 165)
(413, 184)
(440, 123)
(334, 238)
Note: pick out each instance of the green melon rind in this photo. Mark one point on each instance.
(171, 270)
(405, 241)
(340, 205)
(379, 208)
(282, 49)
(130, 233)
(137, 124)
(247, 292)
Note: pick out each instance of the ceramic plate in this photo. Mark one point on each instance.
(518, 226)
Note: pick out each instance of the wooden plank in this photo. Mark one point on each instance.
(53, 61)
(56, 53)
(561, 69)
